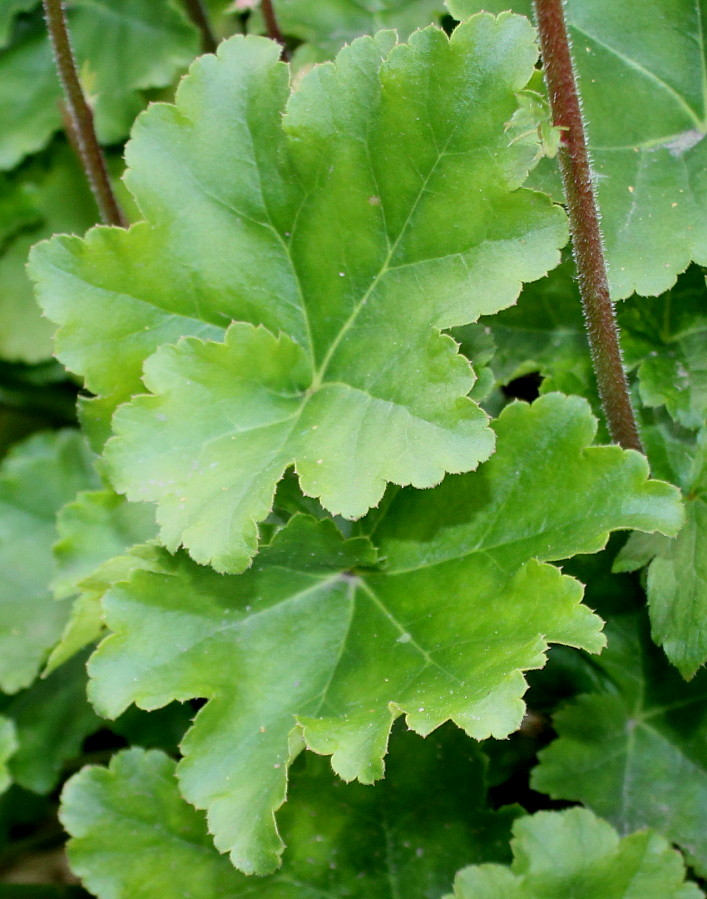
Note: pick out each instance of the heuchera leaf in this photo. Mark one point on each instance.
(574, 853)
(8, 12)
(95, 530)
(326, 25)
(665, 339)
(396, 840)
(640, 66)
(677, 573)
(36, 479)
(122, 48)
(310, 647)
(354, 253)
(634, 753)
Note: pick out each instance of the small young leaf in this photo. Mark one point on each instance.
(573, 853)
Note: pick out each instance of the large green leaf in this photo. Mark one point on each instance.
(122, 48)
(573, 853)
(356, 253)
(309, 647)
(400, 839)
(636, 752)
(677, 573)
(640, 65)
(36, 479)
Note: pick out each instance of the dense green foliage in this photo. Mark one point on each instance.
(317, 594)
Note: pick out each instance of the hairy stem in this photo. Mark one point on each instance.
(273, 28)
(197, 13)
(584, 224)
(79, 112)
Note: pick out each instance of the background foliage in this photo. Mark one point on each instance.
(340, 506)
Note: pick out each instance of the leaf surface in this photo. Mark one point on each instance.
(574, 853)
(677, 573)
(122, 47)
(640, 67)
(310, 647)
(57, 200)
(343, 840)
(635, 752)
(52, 718)
(36, 479)
(354, 253)
(8, 746)
(665, 340)
(95, 531)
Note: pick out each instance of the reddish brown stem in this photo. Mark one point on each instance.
(584, 224)
(273, 28)
(81, 117)
(197, 13)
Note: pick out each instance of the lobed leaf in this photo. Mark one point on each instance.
(343, 840)
(664, 339)
(355, 253)
(314, 647)
(677, 568)
(573, 853)
(634, 752)
(640, 67)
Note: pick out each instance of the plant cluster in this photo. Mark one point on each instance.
(314, 572)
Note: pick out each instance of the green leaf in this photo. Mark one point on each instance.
(311, 648)
(95, 530)
(394, 840)
(8, 746)
(36, 479)
(573, 853)
(8, 12)
(677, 574)
(56, 188)
(122, 47)
(640, 67)
(635, 753)
(52, 718)
(665, 338)
(328, 244)
(327, 25)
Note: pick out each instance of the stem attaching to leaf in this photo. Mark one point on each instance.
(584, 224)
(273, 28)
(197, 13)
(81, 131)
